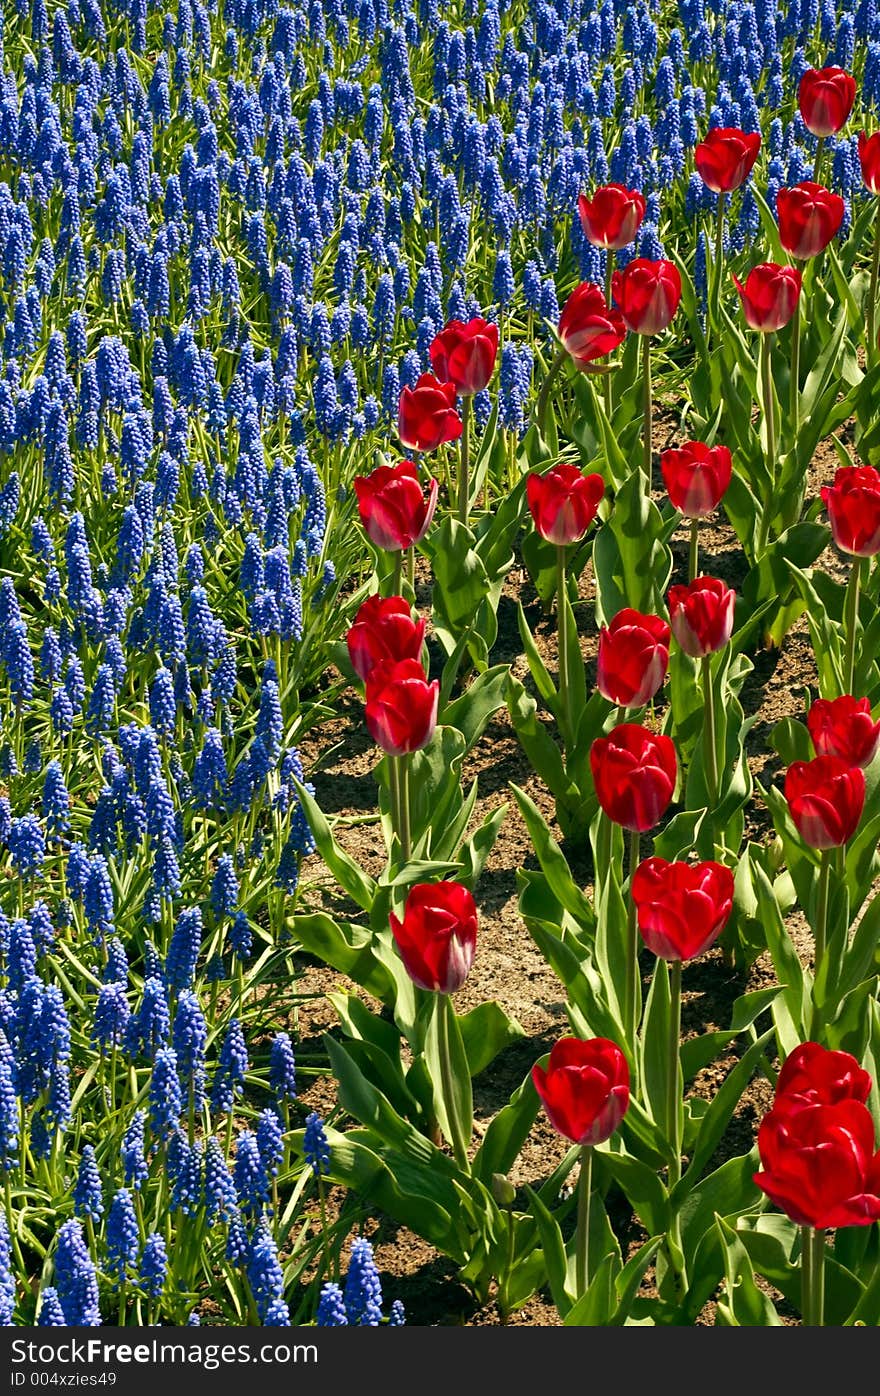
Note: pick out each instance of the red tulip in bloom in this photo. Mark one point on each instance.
(634, 773)
(588, 327)
(725, 158)
(869, 159)
(647, 294)
(682, 907)
(844, 727)
(811, 1075)
(426, 417)
(612, 217)
(769, 295)
(809, 217)
(584, 1089)
(826, 798)
(820, 1165)
(853, 504)
(633, 658)
(437, 936)
(696, 477)
(563, 502)
(701, 615)
(394, 511)
(464, 354)
(383, 632)
(401, 709)
(826, 97)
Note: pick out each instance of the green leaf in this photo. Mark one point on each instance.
(350, 876)
(553, 862)
(554, 1251)
(595, 1308)
(746, 1305)
(347, 948)
(454, 1106)
(485, 1031)
(474, 709)
(640, 1185)
(507, 1132)
(718, 1116)
(654, 1046)
(537, 668)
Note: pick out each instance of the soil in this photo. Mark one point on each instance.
(508, 965)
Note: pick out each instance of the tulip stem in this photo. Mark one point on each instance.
(694, 552)
(464, 484)
(821, 933)
(447, 1084)
(770, 427)
(585, 1186)
(562, 647)
(806, 1275)
(396, 572)
(852, 622)
(411, 568)
(871, 346)
(403, 831)
(796, 368)
(673, 1088)
(711, 751)
(818, 1239)
(609, 273)
(544, 394)
(648, 424)
(632, 947)
(817, 163)
(719, 258)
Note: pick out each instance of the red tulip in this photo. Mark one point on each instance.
(826, 97)
(826, 798)
(563, 502)
(725, 158)
(588, 328)
(844, 727)
(437, 936)
(647, 294)
(853, 504)
(811, 1075)
(809, 217)
(394, 512)
(696, 476)
(464, 354)
(633, 658)
(634, 772)
(612, 217)
(701, 615)
(401, 709)
(383, 632)
(426, 416)
(682, 907)
(869, 159)
(584, 1089)
(769, 295)
(819, 1164)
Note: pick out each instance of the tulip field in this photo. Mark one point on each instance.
(440, 663)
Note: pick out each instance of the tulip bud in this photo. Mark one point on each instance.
(437, 937)
(825, 98)
(393, 510)
(701, 615)
(647, 294)
(464, 354)
(584, 1088)
(725, 158)
(563, 502)
(612, 217)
